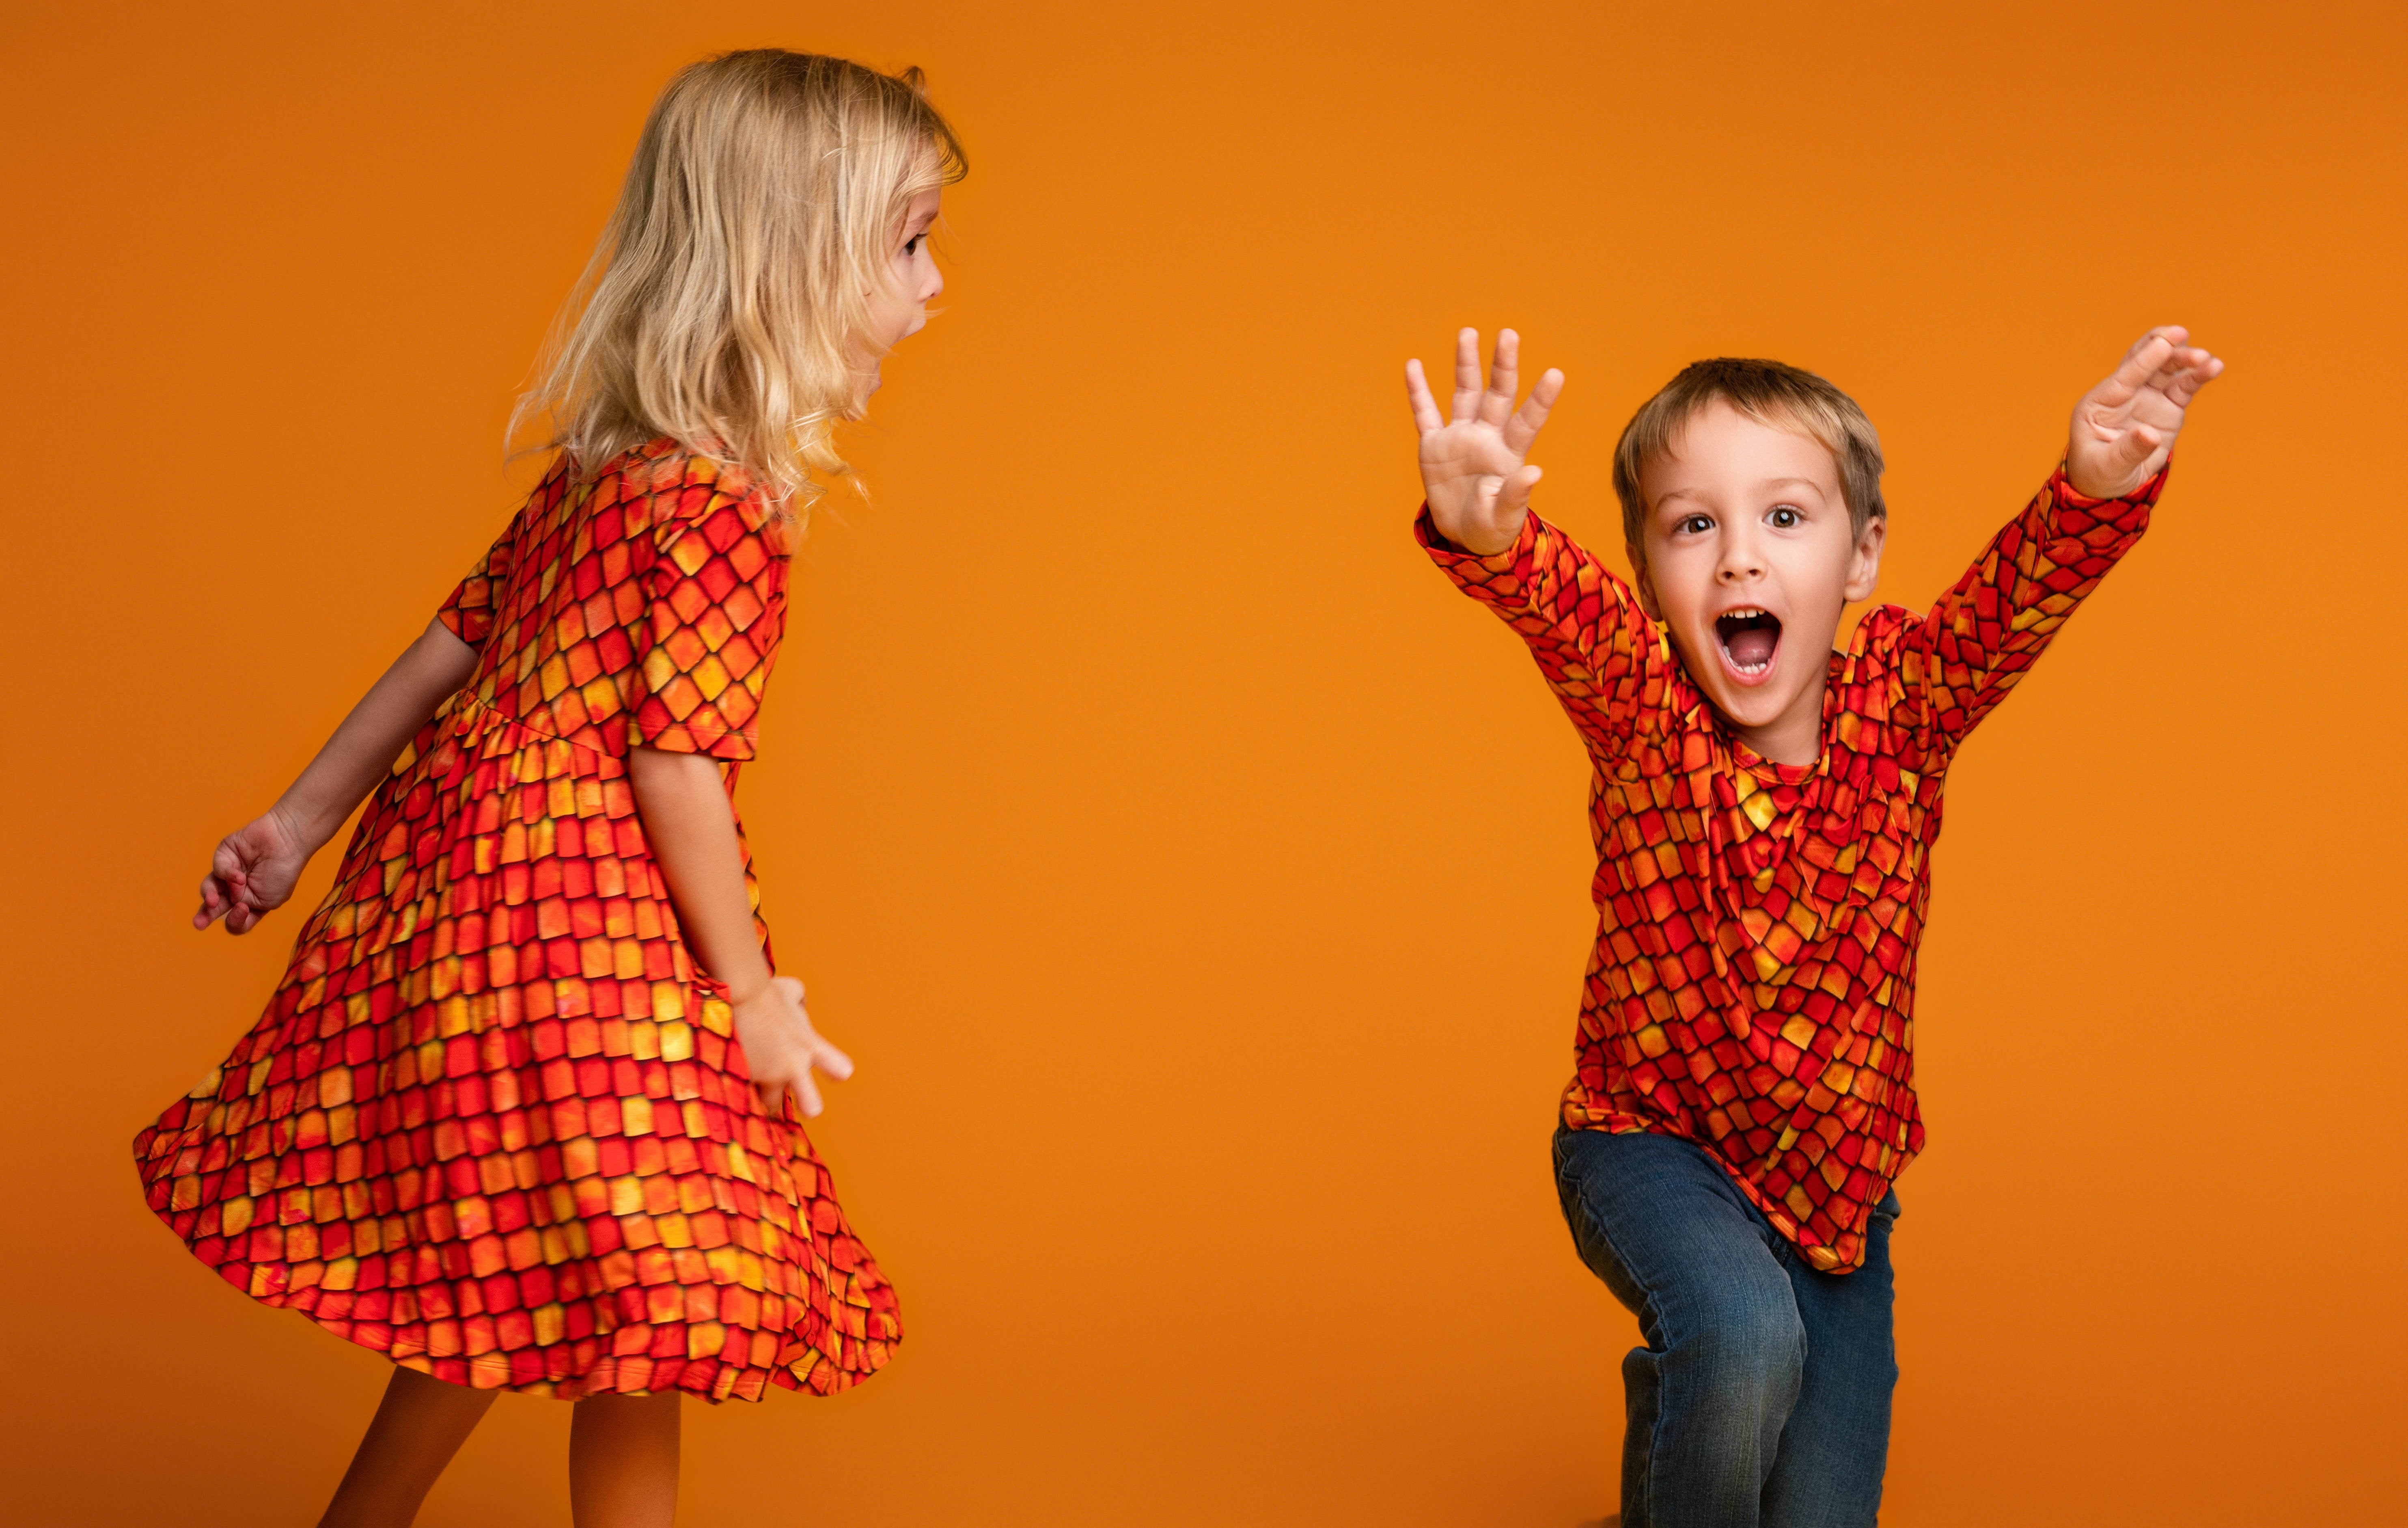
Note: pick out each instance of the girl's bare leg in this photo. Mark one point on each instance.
(417, 1428)
(623, 1462)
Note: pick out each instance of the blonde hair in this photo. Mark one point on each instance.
(1770, 392)
(725, 301)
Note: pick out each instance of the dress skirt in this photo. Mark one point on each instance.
(494, 1123)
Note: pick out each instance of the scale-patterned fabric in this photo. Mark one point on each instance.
(1753, 985)
(494, 1123)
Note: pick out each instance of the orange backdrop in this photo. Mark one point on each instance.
(1199, 882)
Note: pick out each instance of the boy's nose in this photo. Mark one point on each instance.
(1740, 561)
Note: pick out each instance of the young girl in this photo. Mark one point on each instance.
(524, 1113)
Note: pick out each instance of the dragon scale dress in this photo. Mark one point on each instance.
(494, 1123)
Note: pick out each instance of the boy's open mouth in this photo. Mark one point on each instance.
(1748, 637)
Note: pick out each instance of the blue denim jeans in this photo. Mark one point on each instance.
(1762, 1396)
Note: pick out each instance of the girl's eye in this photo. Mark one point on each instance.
(912, 245)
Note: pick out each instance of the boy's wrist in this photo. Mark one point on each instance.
(1436, 539)
(2144, 490)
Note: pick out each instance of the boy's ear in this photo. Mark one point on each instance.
(1640, 585)
(1864, 563)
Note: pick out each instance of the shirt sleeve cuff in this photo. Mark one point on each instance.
(1450, 557)
(2061, 488)
(729, 745)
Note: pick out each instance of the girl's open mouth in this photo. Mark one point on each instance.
(1749, 637)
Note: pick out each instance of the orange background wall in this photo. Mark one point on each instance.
(1200, 884)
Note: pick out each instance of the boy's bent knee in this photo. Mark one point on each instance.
(1749, 1354)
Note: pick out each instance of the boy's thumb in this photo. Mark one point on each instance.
(1518, 487)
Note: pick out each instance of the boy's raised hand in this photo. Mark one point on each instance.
(2123, 428)
(1472, 472)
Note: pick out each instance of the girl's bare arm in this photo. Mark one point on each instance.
(256, 866)
(691, 830)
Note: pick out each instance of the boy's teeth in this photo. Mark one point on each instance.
(1749, 637)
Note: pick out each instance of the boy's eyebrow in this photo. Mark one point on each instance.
(1686, 492)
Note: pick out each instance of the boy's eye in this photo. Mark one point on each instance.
(1785, 518)
(1695, 525)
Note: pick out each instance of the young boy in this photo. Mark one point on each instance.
(1764, 809)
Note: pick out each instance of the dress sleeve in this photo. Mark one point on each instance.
(1959, 661)
(469, 610)
(1594, 645)
(715, 598)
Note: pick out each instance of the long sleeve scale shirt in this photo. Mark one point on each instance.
(1751, 989)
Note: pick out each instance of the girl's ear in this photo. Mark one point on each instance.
(1640, 585)
(1864, 563)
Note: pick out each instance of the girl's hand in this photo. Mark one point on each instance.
(253, 870)
(1471, 465)
(2123, 428)
(781, 1048)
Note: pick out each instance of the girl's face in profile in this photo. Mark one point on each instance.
(899, 309)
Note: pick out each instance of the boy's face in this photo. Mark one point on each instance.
(1748, 560)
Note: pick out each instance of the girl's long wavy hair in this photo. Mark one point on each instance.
(725, 302)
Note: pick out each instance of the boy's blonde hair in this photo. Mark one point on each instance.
(1772, 394)
(723, 304)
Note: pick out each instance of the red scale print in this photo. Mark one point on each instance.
(1753, 985)
(494, 1124)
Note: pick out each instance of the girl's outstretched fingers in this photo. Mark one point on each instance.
(782, 1051)
(829, 1059)
(819, 1056)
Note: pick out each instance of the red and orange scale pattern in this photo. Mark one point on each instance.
(494, 1124)
(1752, 988)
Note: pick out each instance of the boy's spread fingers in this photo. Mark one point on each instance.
(1504, 380)
(1417, 396)
(1467, 358)
(2143, 364)
(1467, 374)
(1507, 370)
(1531, 417)
(2187, 386)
